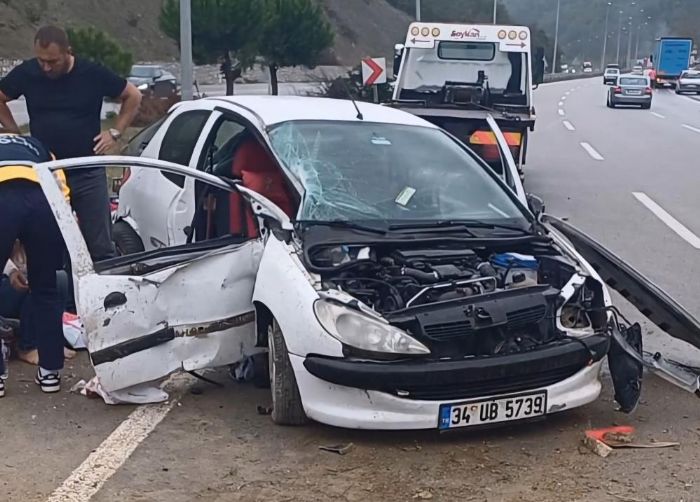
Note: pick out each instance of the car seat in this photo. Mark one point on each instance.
(253, 165)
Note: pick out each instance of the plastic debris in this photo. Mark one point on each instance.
(603, 441)
(138, 394)
(340, 449)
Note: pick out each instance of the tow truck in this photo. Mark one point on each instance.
(456, 76)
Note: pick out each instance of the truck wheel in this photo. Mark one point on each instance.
(126, 240)
(287, 408)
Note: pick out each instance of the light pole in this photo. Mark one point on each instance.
(495, 11)
(417, 10)
(629, 41)
(186, 50)
(556, 39)
(605, 36)
(619, 35)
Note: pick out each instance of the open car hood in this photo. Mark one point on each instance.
(652, 301)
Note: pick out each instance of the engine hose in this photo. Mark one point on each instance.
(420, 275)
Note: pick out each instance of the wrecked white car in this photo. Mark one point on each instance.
(395, 281)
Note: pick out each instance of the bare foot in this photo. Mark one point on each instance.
(68, 353)
(29, 357)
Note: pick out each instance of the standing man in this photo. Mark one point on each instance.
(64, 95)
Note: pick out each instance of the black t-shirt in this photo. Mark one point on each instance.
(64, 113)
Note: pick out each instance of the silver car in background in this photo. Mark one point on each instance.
(689, 82)
(632, 90)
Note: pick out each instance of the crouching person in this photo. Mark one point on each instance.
(25, 215)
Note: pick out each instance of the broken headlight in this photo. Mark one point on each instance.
(365, 333)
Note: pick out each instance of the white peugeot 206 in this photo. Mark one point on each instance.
(394, 280)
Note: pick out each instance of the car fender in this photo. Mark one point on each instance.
(652, 301)
(128, 220)
(286, 289)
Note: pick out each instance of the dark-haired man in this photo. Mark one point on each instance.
(64, 95)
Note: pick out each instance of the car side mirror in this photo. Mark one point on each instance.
(536, 205)
(538, 66)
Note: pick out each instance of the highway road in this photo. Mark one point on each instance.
(628, 177)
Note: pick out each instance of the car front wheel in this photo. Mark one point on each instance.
(287, 408)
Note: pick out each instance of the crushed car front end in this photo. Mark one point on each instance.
(445, 337)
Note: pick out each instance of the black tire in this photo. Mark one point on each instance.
(287, 408)
(126, 240)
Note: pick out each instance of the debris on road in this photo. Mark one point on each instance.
(264, 410)
(340, 449)
(423, 495)
(603, 441)
(78, 387)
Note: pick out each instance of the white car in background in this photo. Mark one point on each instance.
(610, 75)
(394, 280)
(689, 82)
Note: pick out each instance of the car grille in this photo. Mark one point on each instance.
(506, 385)
(454, 330)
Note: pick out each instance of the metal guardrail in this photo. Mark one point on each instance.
(560, 77)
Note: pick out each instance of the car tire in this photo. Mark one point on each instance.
(126, 240)
(646, 107)
(287, 408)
(678, 92)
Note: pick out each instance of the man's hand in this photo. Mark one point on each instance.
(19, 281)
(103, 143)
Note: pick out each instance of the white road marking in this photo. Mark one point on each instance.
(561, 112)
(592, 151)
(561, 103)
(569, 125)
(90, 476)
(658, 115)
(691, 128)
(669, 220)
(563, 98)
(567, 92)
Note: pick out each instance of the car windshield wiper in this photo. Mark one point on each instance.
(343, 224)
(442, 225)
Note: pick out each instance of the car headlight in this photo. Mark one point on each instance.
(365, 333)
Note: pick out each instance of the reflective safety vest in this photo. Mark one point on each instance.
(19, 149)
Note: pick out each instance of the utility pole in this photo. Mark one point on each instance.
(605, 37)
(556, 39)
(636, 48)
(417, 10)
(495, 11)
(186, 50)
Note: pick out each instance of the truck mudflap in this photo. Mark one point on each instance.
(653, 302)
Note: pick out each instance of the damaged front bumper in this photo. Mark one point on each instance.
(355, 408)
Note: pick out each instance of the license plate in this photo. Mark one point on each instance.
(487, 411)
(634, 93)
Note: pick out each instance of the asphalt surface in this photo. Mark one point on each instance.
(212, 443)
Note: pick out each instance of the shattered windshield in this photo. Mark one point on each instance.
(388, 172)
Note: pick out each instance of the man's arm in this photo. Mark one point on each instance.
(6, 118)
(131, 100)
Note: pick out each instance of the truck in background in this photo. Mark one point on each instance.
(456, 76)
(670, 58)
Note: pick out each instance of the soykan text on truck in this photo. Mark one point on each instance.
(455, 75)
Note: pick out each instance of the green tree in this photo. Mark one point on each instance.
(295, 32)
(99, 47)
(222, 30)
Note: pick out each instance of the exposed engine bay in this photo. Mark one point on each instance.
(461, 301)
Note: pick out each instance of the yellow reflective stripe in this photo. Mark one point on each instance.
(8, 173)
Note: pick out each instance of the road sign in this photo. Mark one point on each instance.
(373, 71)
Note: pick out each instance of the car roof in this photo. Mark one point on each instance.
(273, 110)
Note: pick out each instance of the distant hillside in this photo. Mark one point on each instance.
(363, 27)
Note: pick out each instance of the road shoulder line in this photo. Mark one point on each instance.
(675, 225)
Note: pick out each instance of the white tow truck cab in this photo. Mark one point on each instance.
(454, 75)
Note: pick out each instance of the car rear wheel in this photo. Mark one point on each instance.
(646, 107)
(126, 240)
(287, 408)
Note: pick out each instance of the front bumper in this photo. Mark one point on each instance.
(369, 395)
